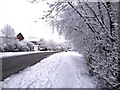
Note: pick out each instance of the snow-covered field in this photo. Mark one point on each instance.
(61, 70)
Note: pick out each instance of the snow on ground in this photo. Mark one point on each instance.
(61, 70)
(9, 54)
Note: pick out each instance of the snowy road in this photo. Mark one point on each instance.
(61, 70)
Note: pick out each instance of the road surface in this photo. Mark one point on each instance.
(14, 64)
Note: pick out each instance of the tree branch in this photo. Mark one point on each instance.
(82, 17)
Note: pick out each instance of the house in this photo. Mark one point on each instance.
(35, 45)
(34, 42)
(20, 37)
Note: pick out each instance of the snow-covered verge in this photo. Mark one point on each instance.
(61, 70)
(9, 54)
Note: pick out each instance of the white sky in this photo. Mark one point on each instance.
(21, 16)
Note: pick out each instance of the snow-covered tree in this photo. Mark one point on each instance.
(9, 43)
(52, 45)
(25, 46)
(30, 45)
(42, 44)
(8, 32)
(1, 45)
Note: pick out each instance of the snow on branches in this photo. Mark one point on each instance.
(92, 28)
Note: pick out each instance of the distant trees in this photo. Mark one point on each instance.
(25, 46)
(42, 45)
(9, 43)
(92, 28)
(51, 45)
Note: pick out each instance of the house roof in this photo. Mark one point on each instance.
(20, 36)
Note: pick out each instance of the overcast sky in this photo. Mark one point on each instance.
(21, 16)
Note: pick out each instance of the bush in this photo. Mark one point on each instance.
(25, 46)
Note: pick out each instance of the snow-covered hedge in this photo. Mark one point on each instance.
(15, 46)
(11, 45)
(92, 28)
